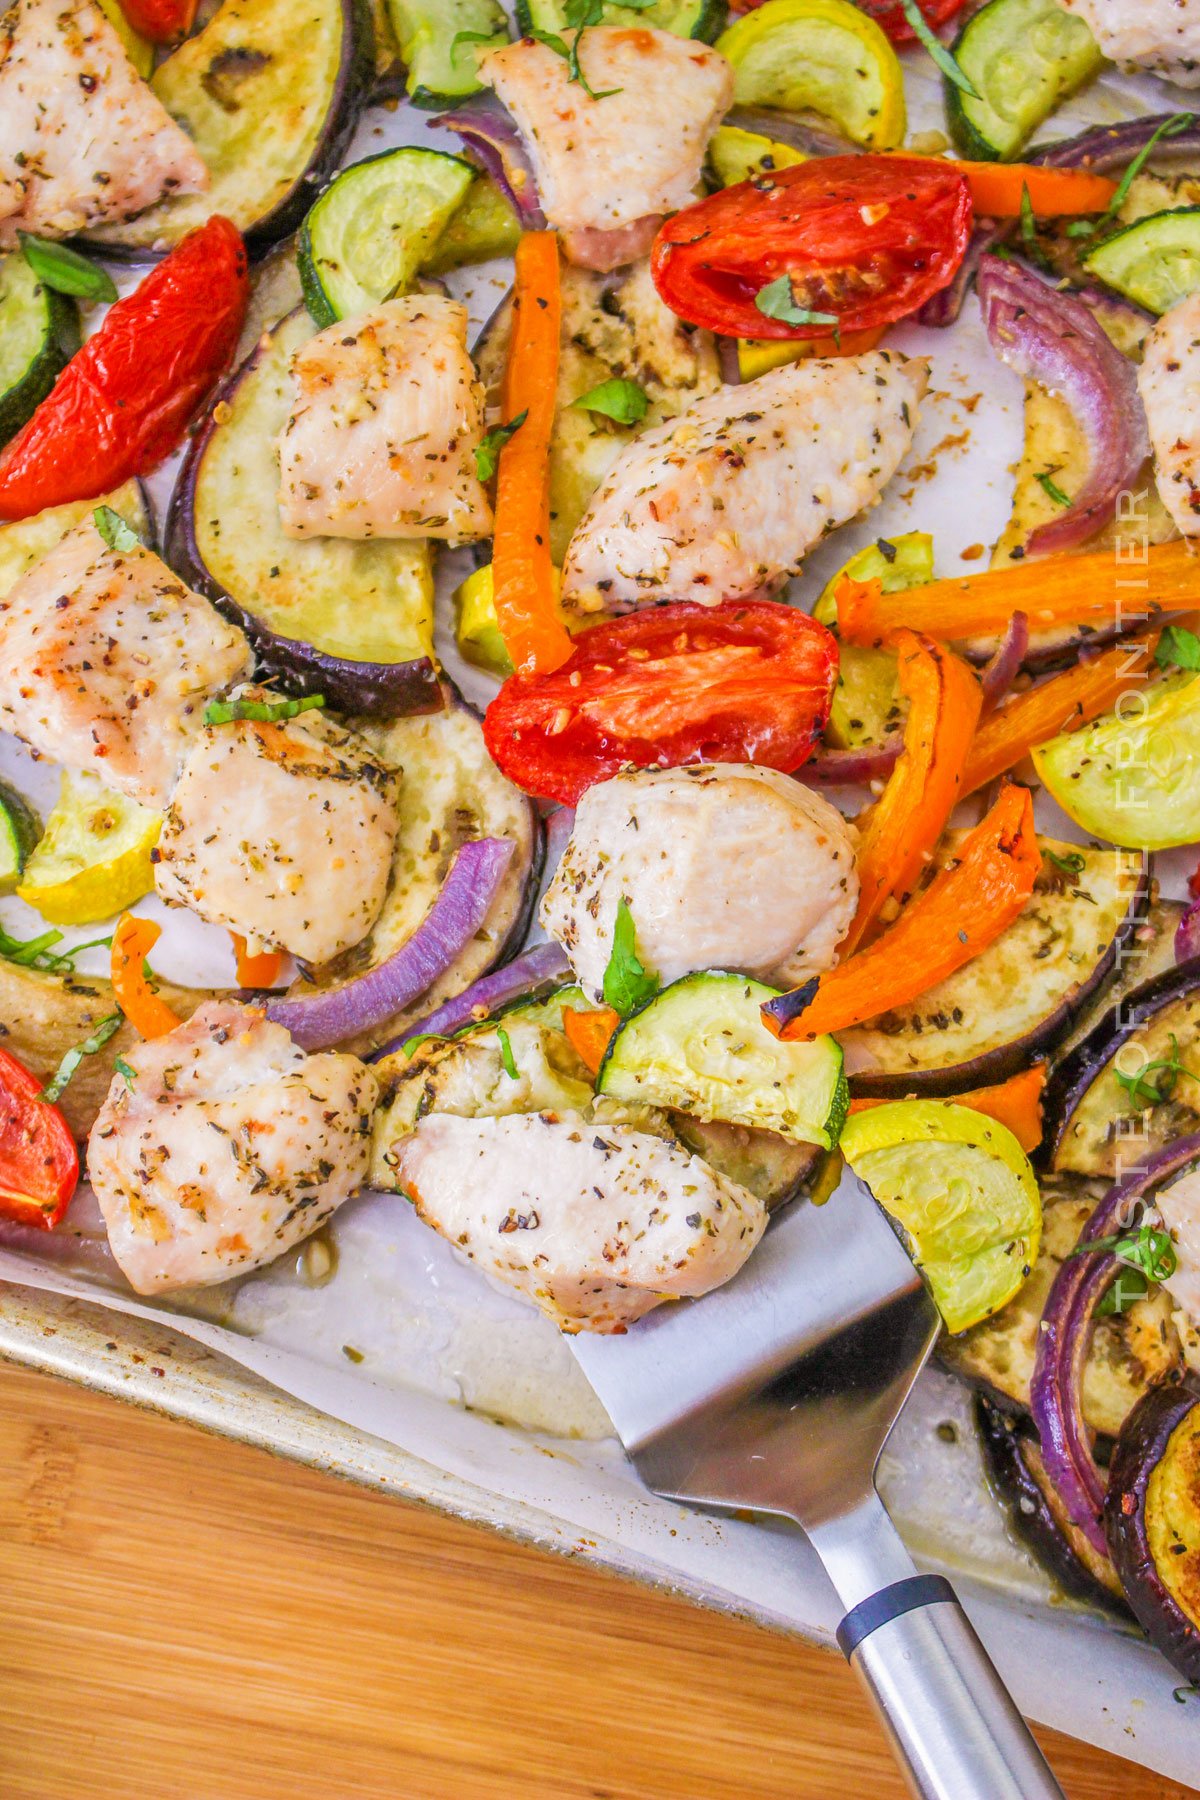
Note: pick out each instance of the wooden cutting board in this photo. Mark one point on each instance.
(183, 1618)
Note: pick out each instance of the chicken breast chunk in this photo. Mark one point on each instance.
(1169, 380)
(225, 1146)
(725, 501)
(1162, 35)
(83, 140)
(282, 831)
(382, 435)
(1179, 1207)
(107, 661)
(722, 866)
(607, 169)
(595, 1224)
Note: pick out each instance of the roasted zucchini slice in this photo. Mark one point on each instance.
(373, 227)
(1155, 262)
(1022, 57)
(94, 858)
(440, 65)
(39, 333)
(1152, 1520)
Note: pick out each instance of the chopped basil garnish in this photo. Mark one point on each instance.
(579, 15)
(617, 399)
(1168, 129)
(71, 1061)
(1144, 1092)
(627, 982)
(269, 712)
(65, 270)
(117, 532)
(471, 37)
(130, 1075)
(488, 454)
(1071, 864)
(1148, 1255)
(1178, 648)
(941, 56)
(777, 301)
(1050, 487)
(506, 1054)
(39, 952)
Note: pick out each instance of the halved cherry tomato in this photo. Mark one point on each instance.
(39, 1164)
(738, 682)
(889, 15)
(162, 21)
(123, 402)
(863, 239)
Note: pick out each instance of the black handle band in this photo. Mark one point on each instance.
(890, 1603)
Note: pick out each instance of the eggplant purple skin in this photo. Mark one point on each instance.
(1004, 1443)
(1009, 1059)
(352, 91)
(374, 690)
(1141, 1445)
(1074, 1075)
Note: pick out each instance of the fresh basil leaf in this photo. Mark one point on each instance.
(617, 399)
(506, 1054)
(488, 453)
(123, 1069)
(228, 712)
(58, 267)
(628, 984)
(1128, 1287)
(117, 533)
(1071, 864)
(777, 301)
(1178, 648)
(1050, 487)
(71, 1061)
(941, 56)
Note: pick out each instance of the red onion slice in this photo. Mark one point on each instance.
(1000, 671)
(1053, 338)
(1056, 1390)
(1187, 934)
(852, 768)
(942, 309)
(544, 966)
(492, 140)
(1103, 148)
(318, 1020)
(792, 129)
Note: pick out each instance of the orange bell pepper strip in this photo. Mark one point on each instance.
(965, 908)
(1096, 588)
(258, 971)
(132, 943)
(590, 1033)
(1016, 1103)
(997, 189)
(526, 599)
(1062, 703)
(903, 827)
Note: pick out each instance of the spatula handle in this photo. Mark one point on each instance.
(951, 1721)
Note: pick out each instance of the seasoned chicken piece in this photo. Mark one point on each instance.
(608, 169)
(382, 436)
(726, 500)
(1162, 35)
(107, 662)
(282, 831)
(224, 1146)
(722, 866)
(1169, 380)
(595, 1224)
(83, 140)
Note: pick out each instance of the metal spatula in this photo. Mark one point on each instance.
(777, 1393)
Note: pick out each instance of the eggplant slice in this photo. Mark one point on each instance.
(982, 1025)
(1127, 1354)
(1013, 1461)
(1100, 1120)
(451, 791)
(351, 620)
(270, 91)
(1152, 1519)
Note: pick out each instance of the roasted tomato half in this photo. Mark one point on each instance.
(862, 240)
(739, 682)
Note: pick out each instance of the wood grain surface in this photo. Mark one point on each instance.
(189, 1619)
